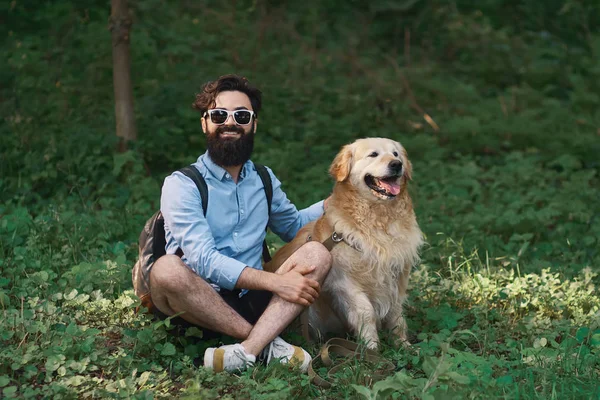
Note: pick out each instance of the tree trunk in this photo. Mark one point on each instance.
(119, 25)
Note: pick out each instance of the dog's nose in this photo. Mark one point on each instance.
(395, 166)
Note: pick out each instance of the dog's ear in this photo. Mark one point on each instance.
(407, 166)
(340, 168)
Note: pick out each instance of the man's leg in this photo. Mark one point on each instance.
(280, 313)
(175, 288)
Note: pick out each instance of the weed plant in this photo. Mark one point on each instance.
(496, 102)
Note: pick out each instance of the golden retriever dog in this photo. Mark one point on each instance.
(374, 239)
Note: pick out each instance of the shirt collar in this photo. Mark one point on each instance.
(219, 172)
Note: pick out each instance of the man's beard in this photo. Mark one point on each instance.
(228, 152)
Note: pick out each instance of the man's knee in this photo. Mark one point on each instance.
(316, 254)
(169, 273)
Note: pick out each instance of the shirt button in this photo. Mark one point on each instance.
(227, 176)
(241, 211)
(235, 234)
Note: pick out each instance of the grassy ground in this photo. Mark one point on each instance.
(505, 303)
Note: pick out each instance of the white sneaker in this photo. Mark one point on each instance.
(286, 353)
(230, 358)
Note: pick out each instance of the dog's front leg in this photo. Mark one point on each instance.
(396, 323)
(394, 320)
(354, 308)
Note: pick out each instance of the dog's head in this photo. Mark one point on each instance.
(377, 167)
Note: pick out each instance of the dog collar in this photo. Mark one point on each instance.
(332, 241)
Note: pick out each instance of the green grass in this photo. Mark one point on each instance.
(505, 302)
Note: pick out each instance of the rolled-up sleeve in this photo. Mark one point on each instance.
(311, 213)
(181, 207)
(286, 220)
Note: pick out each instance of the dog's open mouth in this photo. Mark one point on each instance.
(386, 187)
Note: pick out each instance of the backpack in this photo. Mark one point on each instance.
(152, 241)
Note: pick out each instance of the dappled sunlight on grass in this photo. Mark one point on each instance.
(467, 282)
(497, 107)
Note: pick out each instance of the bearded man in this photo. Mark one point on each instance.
(218, 284)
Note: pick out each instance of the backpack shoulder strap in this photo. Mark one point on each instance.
(192, 172)
(267, 184)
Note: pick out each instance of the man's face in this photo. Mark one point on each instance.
(230, 144)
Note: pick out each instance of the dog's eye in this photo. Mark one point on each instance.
(395, 154)
(374, 154)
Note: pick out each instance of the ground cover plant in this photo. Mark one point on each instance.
(497, 104)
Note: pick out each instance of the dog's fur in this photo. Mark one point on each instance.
(366, 286)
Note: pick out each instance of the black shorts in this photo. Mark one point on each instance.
(250, 306)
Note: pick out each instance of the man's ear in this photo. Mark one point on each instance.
(203, 123)
(255, 124)
(340, 168)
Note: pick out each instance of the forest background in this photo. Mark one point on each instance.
(496, 101)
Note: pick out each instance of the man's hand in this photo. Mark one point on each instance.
(294, 287)
(289, 283)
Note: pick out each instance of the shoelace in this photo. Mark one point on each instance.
(268, 351)
(265, 354)
(242, 356)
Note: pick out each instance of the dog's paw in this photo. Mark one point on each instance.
(401, 342)
(373, 345)
(399, 338)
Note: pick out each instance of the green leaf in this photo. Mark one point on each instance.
(363, 391)
(6, 335)
(582, 334)
(75, 380)
(433, 365)
(30, 371)
(4, 380)
(53, 363)
(71, 295)
(143, 378)
(399, 382)
(72, 329)
(120, 159)
(193, 331)
(458, 378)
(168, 350)
(540, 342)
(145, 335)
(505, 380)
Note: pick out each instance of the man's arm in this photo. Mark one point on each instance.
(285, 219)
(181, 206)
(291, 285)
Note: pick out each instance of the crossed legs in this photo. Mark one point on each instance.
(175, 288)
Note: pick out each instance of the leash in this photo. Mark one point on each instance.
(349, 351)
(346, 349)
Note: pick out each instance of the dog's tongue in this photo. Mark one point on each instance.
(391, 187)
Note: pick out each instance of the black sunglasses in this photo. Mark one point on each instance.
(219, 116)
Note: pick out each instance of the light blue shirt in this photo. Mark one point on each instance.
(220, 246)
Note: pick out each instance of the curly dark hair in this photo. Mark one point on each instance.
(206, 98)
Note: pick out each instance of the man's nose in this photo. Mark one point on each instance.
(395, 166)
